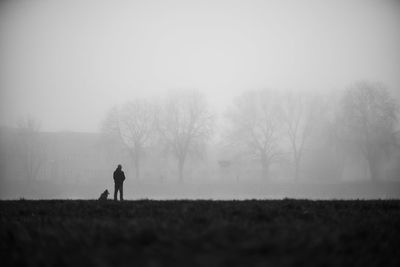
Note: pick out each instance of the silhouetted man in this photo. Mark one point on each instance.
(119, 177)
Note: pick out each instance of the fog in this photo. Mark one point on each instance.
(200, 99)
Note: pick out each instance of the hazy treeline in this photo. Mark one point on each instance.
(284, 134)
(181, 126)
(265, 143)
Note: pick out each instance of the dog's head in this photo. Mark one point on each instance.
(106, 192)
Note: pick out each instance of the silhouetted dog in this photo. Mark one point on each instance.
(104, 195)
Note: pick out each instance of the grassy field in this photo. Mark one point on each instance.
(200, 233)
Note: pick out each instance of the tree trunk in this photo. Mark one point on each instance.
(373, 168)
(297, 167)
(265, 170)
(137, 167)
(181, 163)
(135, 154)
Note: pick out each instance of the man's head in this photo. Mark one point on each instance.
(119, 166)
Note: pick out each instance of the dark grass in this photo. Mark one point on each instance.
(200, 233)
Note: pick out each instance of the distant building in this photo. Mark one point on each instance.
(60, 156)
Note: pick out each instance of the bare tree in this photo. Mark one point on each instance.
(299, 112)
(255, 126)
(33, 153)
(134, 124)
(332, 132)
(185, 124)
(369, 115)
(110, 124)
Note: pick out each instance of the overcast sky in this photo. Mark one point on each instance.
(67, 62)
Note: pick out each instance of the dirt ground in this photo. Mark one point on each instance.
(200, 233)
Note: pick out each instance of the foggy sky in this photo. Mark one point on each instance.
(67, 62)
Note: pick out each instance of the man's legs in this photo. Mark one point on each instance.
(121, 194)
(115, 191)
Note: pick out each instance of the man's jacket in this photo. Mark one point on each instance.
(119, 176)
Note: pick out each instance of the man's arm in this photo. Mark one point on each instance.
(123, 176)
